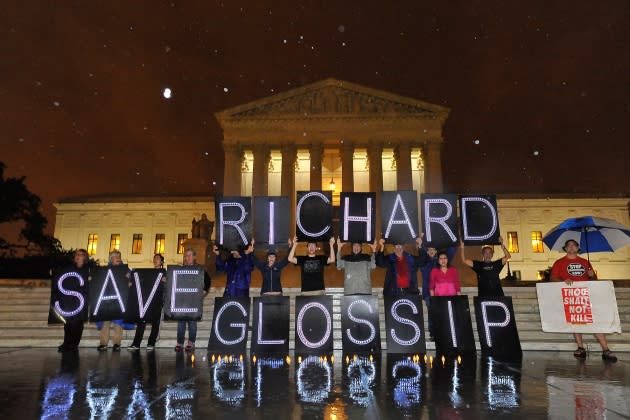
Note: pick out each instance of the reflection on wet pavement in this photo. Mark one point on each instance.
(162, 384)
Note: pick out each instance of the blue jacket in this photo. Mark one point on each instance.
(239, 274)
(270, 275)
(390, 288)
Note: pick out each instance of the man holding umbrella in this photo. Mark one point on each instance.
(572, 268)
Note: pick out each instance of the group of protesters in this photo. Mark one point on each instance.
(439, 278)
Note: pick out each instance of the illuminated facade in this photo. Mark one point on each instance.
(330, 135)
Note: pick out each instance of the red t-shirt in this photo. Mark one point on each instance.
(402, 273)
(575, 269)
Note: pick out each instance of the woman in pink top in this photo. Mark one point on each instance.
(444, 279)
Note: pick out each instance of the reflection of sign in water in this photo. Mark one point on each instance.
(408, 376)
(228, 380)
(179, 398)
(361, 373)
(58, 397)
(577, 305)
(139, 402)
(501, 389)
(273, 364)
(100, 399)
(314, 379)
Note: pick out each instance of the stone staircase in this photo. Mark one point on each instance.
(24, 316)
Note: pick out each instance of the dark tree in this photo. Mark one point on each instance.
(20, 206)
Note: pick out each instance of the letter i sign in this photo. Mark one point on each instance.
(577, 305)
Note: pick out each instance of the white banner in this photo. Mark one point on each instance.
(583, 307)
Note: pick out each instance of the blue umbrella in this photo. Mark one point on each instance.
(593, 234)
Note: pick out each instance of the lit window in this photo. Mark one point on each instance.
(537, 243)
(160, 239)
(136, 245)
(512, 242)
(181, 238)
(92, 243)
(114, 242)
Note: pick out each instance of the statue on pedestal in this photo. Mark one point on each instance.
(202, 229)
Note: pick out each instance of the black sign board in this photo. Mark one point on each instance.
(68, 296)
(439, 219)
(272, 221)
(357, 218)
(233, 221)
(229, 326)
(480, 219)
(183, 294)
(359, 324)
(399, 216)
(313, 216)
(270, 333)
(404, 325)
(496, 327)
(313, 325)
(146, 295)
(109, 291)
(453, 327)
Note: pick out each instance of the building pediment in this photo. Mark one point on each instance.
(332, 98)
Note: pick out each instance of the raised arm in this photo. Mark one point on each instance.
(506, 253)
(465, 260)
(291, 256)
(340, 261)
(380, 255)
(331, 255)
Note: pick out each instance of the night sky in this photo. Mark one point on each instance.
(539, 91)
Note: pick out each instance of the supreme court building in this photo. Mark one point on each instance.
(329, 135)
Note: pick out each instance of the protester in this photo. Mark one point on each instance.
(158, 263)
(401, 277)
(312, 267)
(572, 268)
(238, 266)
(428, 261)
(357, 267)
(73, 327)
(444, 279)
(190, 258)
(488, 282)
(271, 271)
(117, 325)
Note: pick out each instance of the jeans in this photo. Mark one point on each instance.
(181, 331)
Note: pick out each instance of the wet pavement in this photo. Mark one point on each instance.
(41, 383)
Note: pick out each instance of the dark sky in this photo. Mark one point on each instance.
(539, 91)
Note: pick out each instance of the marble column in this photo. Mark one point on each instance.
(287, 186)
(347, 167)
(316, 153)
(260, 183)
(433, 167)
(403, 167)
(232, 169)
(375, 159)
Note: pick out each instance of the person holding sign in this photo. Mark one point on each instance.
(401, 277)
(238, 266)
(105, 326)
(312, 267)
(271, 271)
(572, 268)
(190, 258)
(73, 327)
(444, 279)
(357, 267)
(158, 263)
(488, 282)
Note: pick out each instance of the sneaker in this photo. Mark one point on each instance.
(116, 347)
(580, 353)
(178, 347)
(102, 347)
(609, 356)
(133, 348)
(150, 347)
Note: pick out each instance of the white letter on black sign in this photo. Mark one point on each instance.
(299, 214)
(361, 321)
(260, 328)
(240, 325)
(109, 277)
(439, 220)
(300, 319)
(487, 324)
(233, 223)
(493, 213)
(405, 321)
(404, 221)
(78, 295)
(363, 219)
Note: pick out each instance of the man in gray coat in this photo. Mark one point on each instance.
(357, 269)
